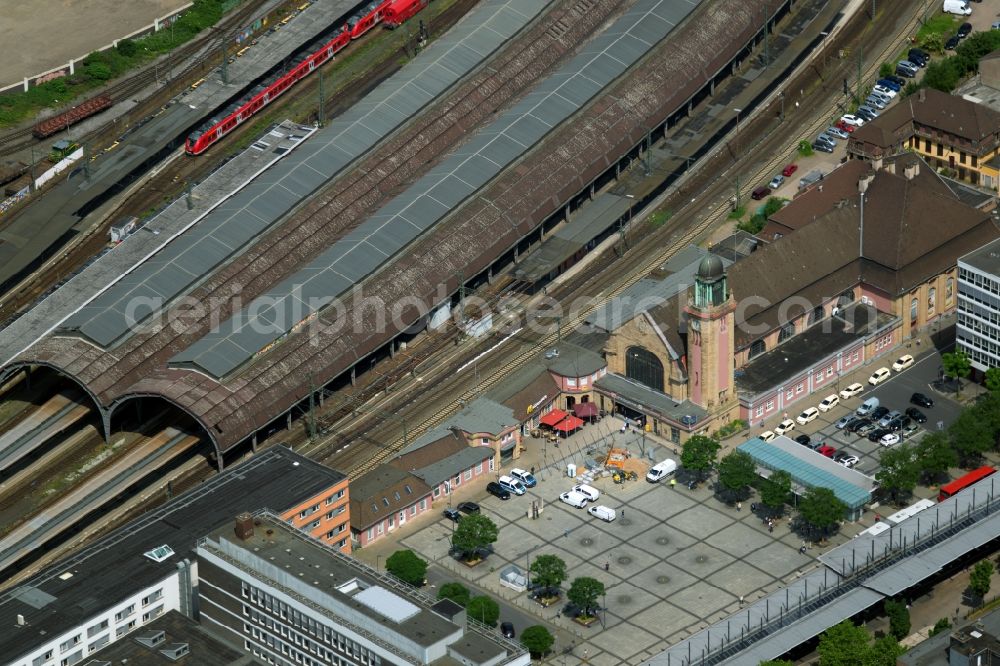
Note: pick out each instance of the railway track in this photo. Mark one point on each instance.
(686, 227)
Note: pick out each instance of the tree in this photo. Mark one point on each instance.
(805, 148)
(935, 457)
(698, 455)
(777, 662)
(484, 609)
(548, 571)
(993, 380)
(942, 75)
(899, 618)
(886, 69)
(775, 491)
(884, 652)
(99, 71)
(736, 472)
(473, 535)
(407, 567)
(456, 592)
(584, 592)
(820, 512)
(941, 625)
(898, 471)
(127, 48)
(843, 644)
(538, 640)
(971, 436)
(956, 364)
(979, 578)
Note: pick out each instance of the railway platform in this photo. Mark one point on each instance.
(157, 232)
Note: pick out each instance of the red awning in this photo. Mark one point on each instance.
(553, 417)
(568, 423)
(585, 410)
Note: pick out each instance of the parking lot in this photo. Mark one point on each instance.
(894, 394)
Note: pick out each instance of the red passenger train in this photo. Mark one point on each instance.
(392, 13)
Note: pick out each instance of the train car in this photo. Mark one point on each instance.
(391, 12)
(960, 484)
(397, 12)
(82, 110)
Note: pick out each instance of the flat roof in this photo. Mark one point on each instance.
(985, 259)
(204, 649)
(586, 225)
(801, 352)
(114, 568)
(642, 398)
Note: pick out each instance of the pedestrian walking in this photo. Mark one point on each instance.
(673, 483)
(753, 507)
(877, 517)
(741, 601)
(739, 506)
(566, 534)
(607, 566)
(532, 469)
(623, 512)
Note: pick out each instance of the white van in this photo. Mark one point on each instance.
(575, 499)
(960, 7)
(605, 513)
(867, 407)
(661, 470)
(592, 493)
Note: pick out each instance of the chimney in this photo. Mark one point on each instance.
(864, 182)
(911, 170)
(891, 167)
(877, 163)
(922, 95)
(244, 526)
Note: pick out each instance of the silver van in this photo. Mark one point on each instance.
(867, 407)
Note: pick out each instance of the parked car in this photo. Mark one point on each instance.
(527, 478)
(512, 485)
(867, 407)
(760, 192)
(841, 125)
(836, 132)
(867, 429)
(878, 433)
(879, 376)
(789, 170)
(995, 25)
(852, 390)
(897, 80)
(776, 182)
(908, 69)
(902, 363)
(605, 513)
(857, 423)
(507, 629)
(826, 450)
(592, 493)
(910, 430)
(916, 415)
(889, 418)
(952, 43)
(574, 499)
(918, 57)
(468, 507)
(878, 413)
(495, 489)
(826, 138)
(850, 119)
(808, 416)
(878, 102)
(804, 440)
(785, 426)
(829, 402)
(867, 112)
(885, 91)
(921, 400)
(964, 30)
(451, 514)
(889, 439)
(848, 461)
(663, 469)
(890, 84)
(843, 422)
(822, 147)
(767, 436)
(898, 423)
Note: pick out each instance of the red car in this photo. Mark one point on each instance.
(789, 170)
(841, 125)
(826, 450)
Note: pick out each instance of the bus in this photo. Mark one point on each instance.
(964, 482)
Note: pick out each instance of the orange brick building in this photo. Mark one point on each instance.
(326, 515)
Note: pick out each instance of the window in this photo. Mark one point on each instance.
(458, 481)
(336, 512)
(914, 304)
(381, 528)
(124, 613)
(787, 331)
(413, 510)
(371, 533)
(757, 347)
(70, 642)
(336, 496)
(468, 474)
(949, 290)
(423, 504)
(571, 382)
(385, 500)
(817, 314)
(392, 521)
(479, 467)
(856, 356)
(93, 630)
(829, 371)
(485, 441)
(491, 464)
(770, 405)
(396, 494)
(437, 491)
(789, 394)
(931, 301)
(760, 411)
(799, 388)
(314, 524)
(644, 367)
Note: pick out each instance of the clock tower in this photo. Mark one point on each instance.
(710, 338)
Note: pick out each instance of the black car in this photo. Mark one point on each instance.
(854, 423)
(918, 57)
(898, 423)
(451, 514)
(468, 507)
(916, 415)
(877, 434)
(867, 429)
(507, 629)
(899, 81)
(921, 400)
(804, 440)
(952, 43)
(495, 489)
(964, 30)
(823, 147)
(879, 412)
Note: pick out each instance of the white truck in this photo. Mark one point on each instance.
(960, 7)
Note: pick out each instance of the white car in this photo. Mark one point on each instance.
(787, 425)
(660, 470)
(807, 416)
(527, 478)
(902, 363)
(889, 439)
(849, 461)
(888, 92)
(851, 119)
(851, 391)
(829, 402)
(605, 513)
(512, 485)
(590, 492)
(879, 376)
(767, 435)
(574, 499)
